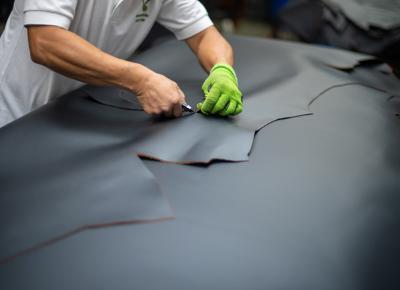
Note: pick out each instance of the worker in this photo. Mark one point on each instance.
(51, 47)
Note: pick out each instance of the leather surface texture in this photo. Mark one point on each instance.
(313, 203)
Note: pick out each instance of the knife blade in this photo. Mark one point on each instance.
(187, 108)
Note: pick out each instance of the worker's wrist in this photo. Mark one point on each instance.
(227, 69)
(133, 76)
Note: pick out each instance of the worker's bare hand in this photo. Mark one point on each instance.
(159, 95)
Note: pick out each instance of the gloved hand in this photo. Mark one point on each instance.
(222, 95)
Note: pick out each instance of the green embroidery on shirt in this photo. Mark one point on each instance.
(142, 16)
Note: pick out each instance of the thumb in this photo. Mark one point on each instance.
(200, 107)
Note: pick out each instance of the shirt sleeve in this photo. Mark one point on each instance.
(184, 18)
(49, 12)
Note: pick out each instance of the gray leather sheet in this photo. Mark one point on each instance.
(316, 207)
(297, 209)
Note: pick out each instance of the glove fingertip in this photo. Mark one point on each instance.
(200, 107)
(239, 110)
(223, 113)
(204, 112)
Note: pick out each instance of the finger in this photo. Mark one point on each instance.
(207, 86)
(199, 107)
(168, 114)
(230, 109)
(211, 99)
(221, 104)
(239, 109)
(168, 111)
(177, 111)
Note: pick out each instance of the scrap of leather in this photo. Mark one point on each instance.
(73, 164)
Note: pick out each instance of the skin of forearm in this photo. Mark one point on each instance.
(211, 48)
(70, 55)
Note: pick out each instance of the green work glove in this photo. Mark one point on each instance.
(222, 95)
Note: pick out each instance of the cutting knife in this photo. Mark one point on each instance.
(187, 108)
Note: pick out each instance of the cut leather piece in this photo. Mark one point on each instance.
(316, 207)
(56, 181)
(194, 138)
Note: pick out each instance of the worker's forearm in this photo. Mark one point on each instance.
(211, 48)
(72, 56)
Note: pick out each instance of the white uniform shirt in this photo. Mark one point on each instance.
(117, 27)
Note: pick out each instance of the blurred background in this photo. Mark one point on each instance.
(368, 26)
